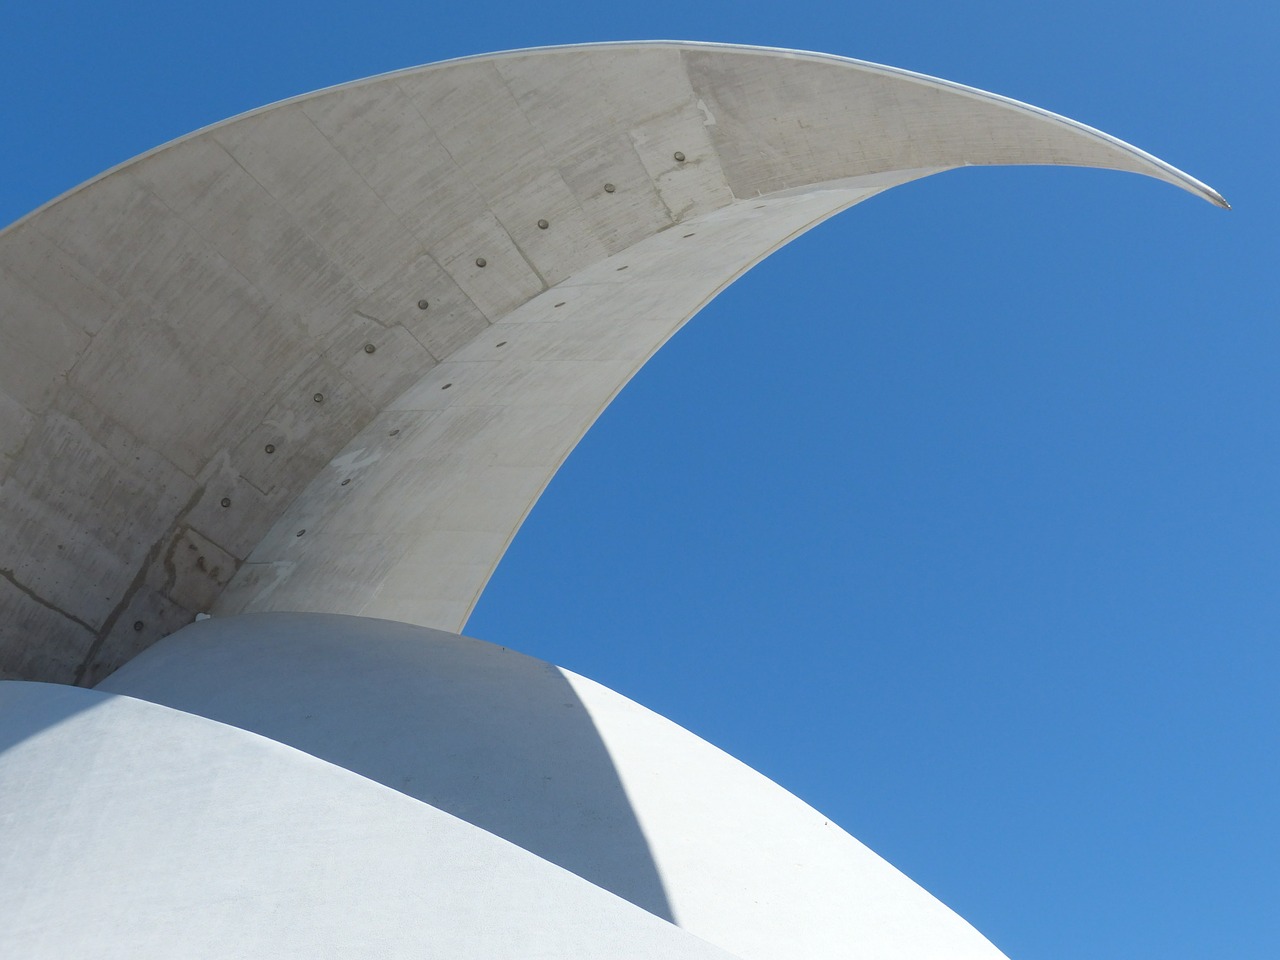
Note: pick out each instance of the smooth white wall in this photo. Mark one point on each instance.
(576, 772)
(132, 831)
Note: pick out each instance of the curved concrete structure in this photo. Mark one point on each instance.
(564, 767)
(218, 346)
(322, 359)
(134, 831)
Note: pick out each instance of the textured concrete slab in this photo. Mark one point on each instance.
(208, 306)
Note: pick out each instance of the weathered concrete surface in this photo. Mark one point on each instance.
(409, 521)
(563, 767)
(132, 831)
(221, 328)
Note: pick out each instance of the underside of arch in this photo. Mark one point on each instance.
(326, 355)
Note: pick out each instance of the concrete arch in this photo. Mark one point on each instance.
(219, 389)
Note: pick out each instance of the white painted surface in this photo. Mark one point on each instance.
(486, 734)
(131, 831)
(163, 325)
(580, 775)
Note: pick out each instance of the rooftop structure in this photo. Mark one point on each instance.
(307, 371)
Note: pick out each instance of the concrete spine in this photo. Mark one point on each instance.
(312, 366)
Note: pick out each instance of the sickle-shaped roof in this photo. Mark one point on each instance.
(325, 356)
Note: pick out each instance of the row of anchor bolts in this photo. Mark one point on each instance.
(543, 225)
(318, 398)
(423, 305)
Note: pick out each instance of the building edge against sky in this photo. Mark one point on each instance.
(321, 359)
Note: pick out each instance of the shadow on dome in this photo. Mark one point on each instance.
(486, 734)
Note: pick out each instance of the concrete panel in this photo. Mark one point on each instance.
(57, 541)
(144, 374)
(252, 232)
(689, 186)
(496, 153)
(449, 319)
(17, 420)
(486, 264)
(389, 143)
(195, 569)
(228, 509)
(143, 618)
(64, 284)
(293, 161)
(306, 431)
(566, 244)
(95, 228)
(578, 98)
(38, 345)
(36, 638)
(631, 211)
(786, 121)
(128, 830)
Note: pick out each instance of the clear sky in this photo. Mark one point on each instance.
(958, 517)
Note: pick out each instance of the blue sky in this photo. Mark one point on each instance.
(958, 516)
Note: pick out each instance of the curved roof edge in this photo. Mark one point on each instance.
(203, 343)
(1159, 169)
